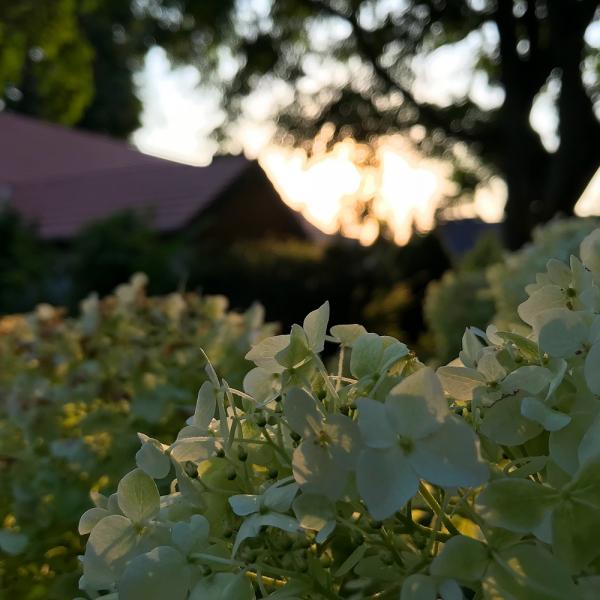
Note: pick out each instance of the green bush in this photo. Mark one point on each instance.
(507, 279)
(74, 393)
(24, 263)
(380, 478)
(488, 285)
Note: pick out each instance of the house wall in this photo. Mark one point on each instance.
(249, 209)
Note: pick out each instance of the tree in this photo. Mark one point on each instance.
(373, 45)
(25, 263)
(73, 61)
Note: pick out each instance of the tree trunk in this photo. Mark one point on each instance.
(578, 156)
(542, 184)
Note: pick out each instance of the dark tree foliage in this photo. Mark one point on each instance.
(73, 61)
(377, 41)
(106, 254)
(24, 264)
(382, 286)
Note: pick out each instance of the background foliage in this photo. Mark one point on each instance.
(488, 284)
(75, 392)
(383, 477)
(73, 61)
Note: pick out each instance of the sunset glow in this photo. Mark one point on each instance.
(405, 189)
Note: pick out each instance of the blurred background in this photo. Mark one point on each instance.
(395, 157)
(289, 151)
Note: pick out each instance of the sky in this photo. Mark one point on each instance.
(179, 115)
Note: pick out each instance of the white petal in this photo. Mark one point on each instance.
(551, 420)
(561, 332)
(138, 496)
(374, 424)
(589, 447)
(159, 574)
(417, 406)
(450, 456)
(109, 547)
(244, 504)
(279, 497)
(316, 470)
(263, 354)
(188, 535)
(315, 327)
(592, 368)
(550, 296)
(385, 480)
(301, 411)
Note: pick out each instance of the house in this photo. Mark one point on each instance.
(63, 179)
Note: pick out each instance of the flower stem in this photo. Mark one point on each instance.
(437, 509)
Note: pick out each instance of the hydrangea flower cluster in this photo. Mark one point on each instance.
(488, 285)
(381, 478)
(74, 391)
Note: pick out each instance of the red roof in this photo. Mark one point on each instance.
(64, 179)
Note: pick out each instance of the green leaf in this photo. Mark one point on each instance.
(347, 334)
(527, 572)
(138, 496)
(293, 590)
(223, 586)
(159, 574)
(515, 504)
(461, 558)
(575, 533)
(315, 327)
(563, 444)
(349, 564)
(367, 353)
(589, 447)
(418, 587)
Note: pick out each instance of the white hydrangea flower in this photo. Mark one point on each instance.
(412, 436)
(329, 447)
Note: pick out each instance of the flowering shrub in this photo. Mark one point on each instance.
(383, 479)
(460, 298)
(74, 392)
(507, 279)
(487, 286)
